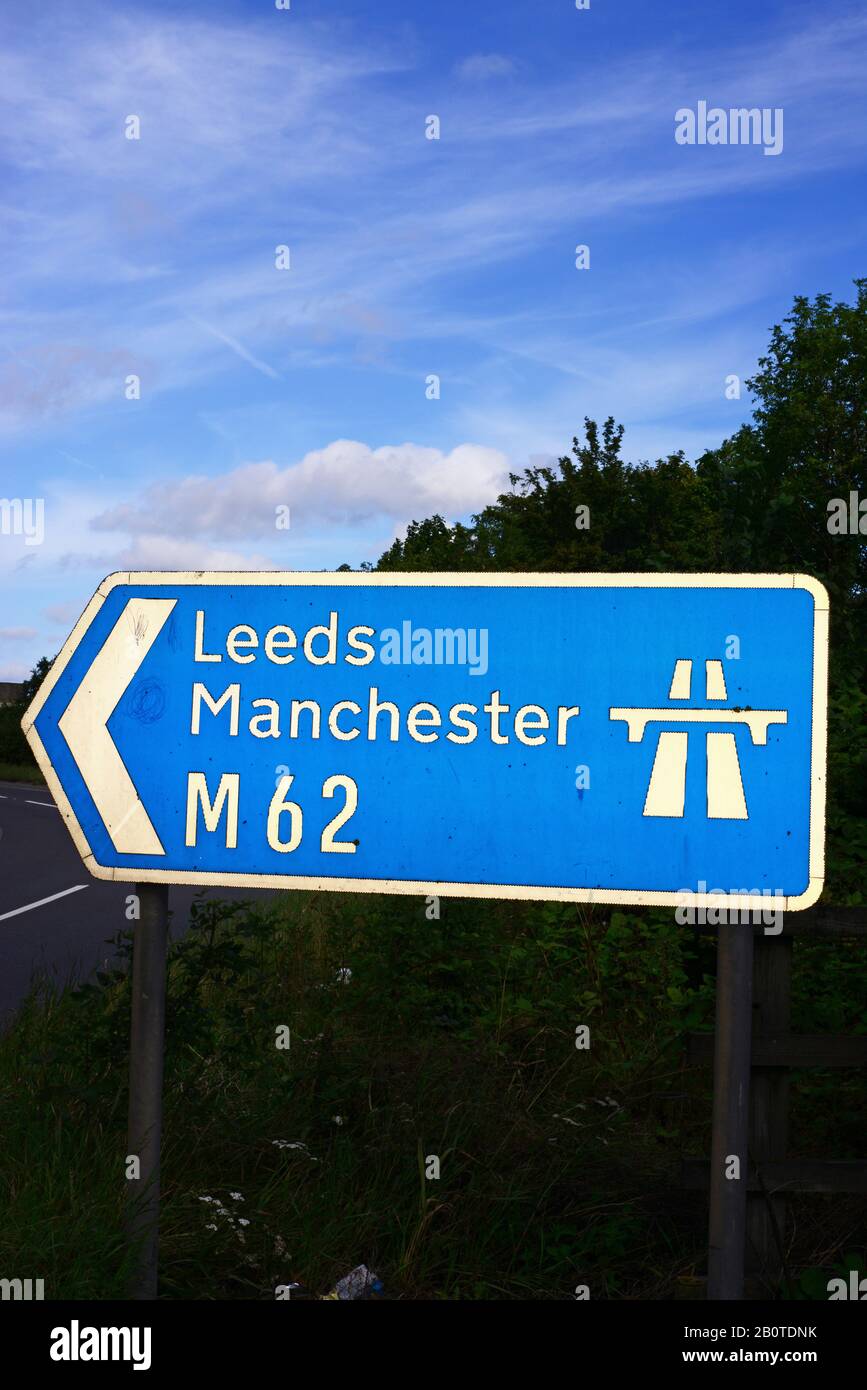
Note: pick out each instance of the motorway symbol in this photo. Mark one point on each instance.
(421, 733)
(725, 793)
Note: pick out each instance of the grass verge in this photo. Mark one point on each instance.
(327, 1056)
(20, 772)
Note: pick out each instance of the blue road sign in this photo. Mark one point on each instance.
(594, 738)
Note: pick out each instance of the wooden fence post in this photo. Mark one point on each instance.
(774, 1050)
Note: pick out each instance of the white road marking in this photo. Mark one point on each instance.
(16, 912)
(40, 803)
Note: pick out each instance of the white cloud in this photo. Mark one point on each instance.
(346, 482)
(17, 634)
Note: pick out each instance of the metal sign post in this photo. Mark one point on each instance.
(147, 1035)
(729, 1160)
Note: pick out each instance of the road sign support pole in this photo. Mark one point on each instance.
(731, 1111)
(147, 1035)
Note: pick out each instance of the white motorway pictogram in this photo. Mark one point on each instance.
(666, 792)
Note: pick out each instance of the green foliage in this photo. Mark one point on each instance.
(437, 1024)
(807, 444)
(20, 772)
(14, 748)
(641, 518)
(35, 679)
(453, 1037)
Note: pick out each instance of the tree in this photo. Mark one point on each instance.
(14, 748)
(592, 511)
(772, 482)
(35, 679)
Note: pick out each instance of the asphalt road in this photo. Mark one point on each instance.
(55, 919)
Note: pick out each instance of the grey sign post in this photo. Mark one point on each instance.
(147, 1033)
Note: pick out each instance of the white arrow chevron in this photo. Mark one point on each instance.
(83, 725)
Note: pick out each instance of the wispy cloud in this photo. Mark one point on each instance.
(307, 144)
(237, 348)
(479, 66)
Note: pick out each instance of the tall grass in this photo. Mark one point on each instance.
(409, 1038)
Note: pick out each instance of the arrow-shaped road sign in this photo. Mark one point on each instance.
(595, 738)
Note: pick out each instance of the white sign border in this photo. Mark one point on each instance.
(475, 579)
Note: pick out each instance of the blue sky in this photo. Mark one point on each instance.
(306, 387)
